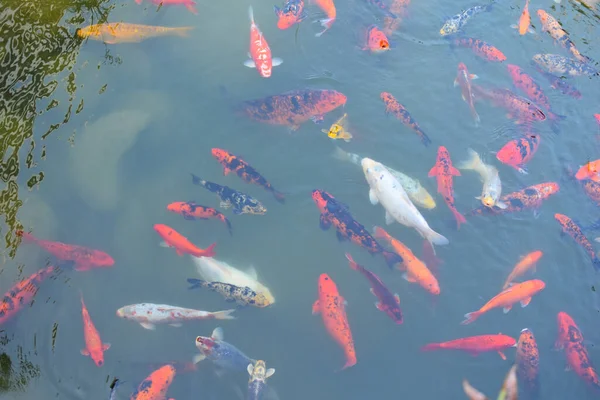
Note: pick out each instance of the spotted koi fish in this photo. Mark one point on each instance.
(559, 65)
(192, 211)
(481, 49)
(519, 152)
(392, 106)
(560, 36)
(518, 108)
(572, 229)
(155, 386)
(531, 197)
(232, 163)
(579, 361)
(241, 295)
(347, 228)
(444, 171)
(558, 83)
(456, 23)
(294, 108)
(290, 14)
(240, 202)
(568, 331)
(592, 189)
(528, 360)
(388, 303)
(532, 90)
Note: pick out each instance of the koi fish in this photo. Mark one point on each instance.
(223, 355)
(416, 270)
(591, 170)
(532, 90)
(388, 303)
(526, 263)
(94, 348)
(560, 84)
(149, 315)
(241, 295)
(122, 32)
(520, 292)
(592, 189)
(568, 331)
(555, 30)
(241, 203)
(294, 108)
(457, 22)
(519, 108)
(572, 229)
(180, 243)
(189, 4)
(385, 189)
(444, 171)
(398, 10)
(376, 40)
(347, 228)
(338, 130)
(245, 171)
(292, 13)
(258, 379)
(481, 48)
(331, 306)
(22, 293)
(597, 117)
(579, 361)
(524, 20)
(392, 106)
(83, 257)
(155, 386)
(530, 197)
(463, 79)
(559, 65)
(260, 53)
(192, 211)
(509, 390)
(528, 361)
(519, 152)
(329, 9)
(417, 193)
(492, 186)
(476, 344)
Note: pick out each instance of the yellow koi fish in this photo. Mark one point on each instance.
(122, 32)
(338, 130)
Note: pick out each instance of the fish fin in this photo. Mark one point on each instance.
(196, 283)
(379, 306)
(226, 314)
(408, 278)
(105, 346)
(270, 372)
(473, 76)
(435, 238)
(471, 317)
(250, 369)
(148, 325)
(568, 368)
(514, 26)
(339, 236)
(198, 357)
(226, 171)
(352, 263)
(164, 244)
(324, 223)
(316, 308)
(397, 298)
(456, 84)
(501, 205)
(188, 216)
(525, 302)
(191, 8)
(85, 352)
(252, 272)
(502, 355)
(373, 197)
(433, 171)
(217, 334)
(471, 162)
(372, 291)
(276, 61)
(454, 171)
(249, 64)
(506, 309)
(176, 325)
(278, 13)
(388, 218)
(392, 258)
(317, 119)
(179, 252)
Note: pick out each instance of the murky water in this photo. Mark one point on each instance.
(106, 136)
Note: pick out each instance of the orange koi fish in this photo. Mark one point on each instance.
(181, 244)
(83, 257)
(520, 292)
(416, 270)
(245, 171)
(22, 293)
(122, 32)
(519, 152)
(591, 171)
(260, 53)
(568, 331)
(528, 360)
(524, 20)
(560, 36)
(189, 4)
(528, 262)
(476, 344)
(517, 107)
(376, 41)
(530, 197)
(392, 106)
(329, 9)
(579, 361)
(155, 386)
(444, 171)
(94, 347)
(292, 13)
(331, 306)
(192, 211)
(481, 49)
(463, 79)
(572, 229)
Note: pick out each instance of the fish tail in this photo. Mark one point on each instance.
(351, 261)
(26, 236)
(183, 31)
(392, 258)
(196, 283)
(191, 7)
(209, 251)
(197, 181)
(251, 14)
(340, 154)
(280, 197)
(460, 219)
(226, 314)
(475, 116)
(380, 233)
(349, 363)
(229, 227)
(326, 23)
(472, 162)
(425, 139)
(431, 346)
(435, 238)
(471, 317)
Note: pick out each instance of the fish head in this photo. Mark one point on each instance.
(549, 188)
(101, 259)
(176, 206)
(255, 208)
(434, 287)
(92, 30)
(220, 154)
(525, 335)
(513, 70)
(206, 345)
(126, 312)
(162, 230)
(561, 218)
(377, 41)
(287, 18)
(327, 285)
(543, 15)
(428, 202)
(488, 200)
(597, 117)
(573, 334)
(330, 100)
(263, 300)
(98, 358)
(538, 284)
(334, 131)
(449, 28)
(321, 198)
(462, 68)
(442, 154)
(588, 171)
(259, 372)
(372, 169)
(386, 97)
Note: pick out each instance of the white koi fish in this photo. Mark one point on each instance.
(492, 186)
(148, 315)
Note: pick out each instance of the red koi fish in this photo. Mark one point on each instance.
(481, 49)
(463, 79)
(519, 152)
(520, 292)
(444, 171)
(392, 106)
(83, 257)
(388, 303)
(579, 361)
(260, 53)
(94, 347)
(532, 90)
(590, 170)
(329, 9)
(531, 197)
(189, 4)
(181, 244)
(375, 40)
(572, 229)
(292, 13)
(232, 163)
(192, 211)
(21, 294)
(476, 344)
(528, 361)
(555, 30)
(331, 306)
(518, 108)
(155, 386)
(295, 107)
(568, 331)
